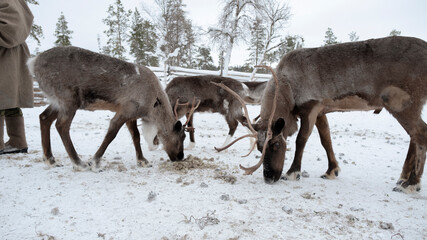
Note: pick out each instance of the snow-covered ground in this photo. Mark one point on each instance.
(211, 199)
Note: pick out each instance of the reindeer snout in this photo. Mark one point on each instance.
(270, 176)
(177, 157)
(269, 180)
(180, 156)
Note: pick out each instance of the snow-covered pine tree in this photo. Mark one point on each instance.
(188, 47)
(330, 37)
(36, 30)
(173, 30)
(291, 42)
(171, 21)
(117, 23)
(62, 33)
(204, 59)
(257, 42)
(143, 40)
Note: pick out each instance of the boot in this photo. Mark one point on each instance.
(1, 133)
(16, 131)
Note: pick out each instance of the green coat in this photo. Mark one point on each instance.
(16, 84)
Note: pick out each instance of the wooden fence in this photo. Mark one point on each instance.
(179, 71)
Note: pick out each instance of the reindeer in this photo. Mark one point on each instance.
(209, 98)
(73, 78)
(388, 73)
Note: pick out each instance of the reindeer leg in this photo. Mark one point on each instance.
(325, 138)
(308, 114)
(63, 124)
(407, 171)
(115, 124)
(412, 171)
(46, 119)
(232, 125)
(190, 125)
(413, 168)
(133, 129)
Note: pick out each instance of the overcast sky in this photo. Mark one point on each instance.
(310, 19)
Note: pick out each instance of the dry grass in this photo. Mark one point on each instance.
(189, 163)
(202, 222)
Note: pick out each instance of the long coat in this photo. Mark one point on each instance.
(16, 84)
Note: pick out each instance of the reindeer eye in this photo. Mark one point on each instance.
(157, 103)
(276, 145)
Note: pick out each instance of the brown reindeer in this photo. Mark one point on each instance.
(388, 73)
(73, 78)
(182, 91)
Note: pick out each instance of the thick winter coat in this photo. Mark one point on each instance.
(16, 85)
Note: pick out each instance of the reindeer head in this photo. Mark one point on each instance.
(174, 146)
(269, 138)
(274, 152)
(170, 129)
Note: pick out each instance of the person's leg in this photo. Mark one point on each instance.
(15, 128)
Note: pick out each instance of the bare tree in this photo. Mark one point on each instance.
(233, 22)
(275, 15)
(353, 36)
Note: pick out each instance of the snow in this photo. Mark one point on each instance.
(128, 202)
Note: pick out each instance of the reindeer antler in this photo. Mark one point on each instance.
(253, 134)
(176, 107)
(222, 85)
(194, 106)
(252, 169)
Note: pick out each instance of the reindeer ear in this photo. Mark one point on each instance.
(278, 126)
(177, 127)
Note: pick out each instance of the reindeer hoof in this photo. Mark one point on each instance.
(404, 186)
(143, 163)
(82, 167)
(332, 174)
(292, 177)
(51, 162)
(399, 182)
(328, 176)
(95, 166)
